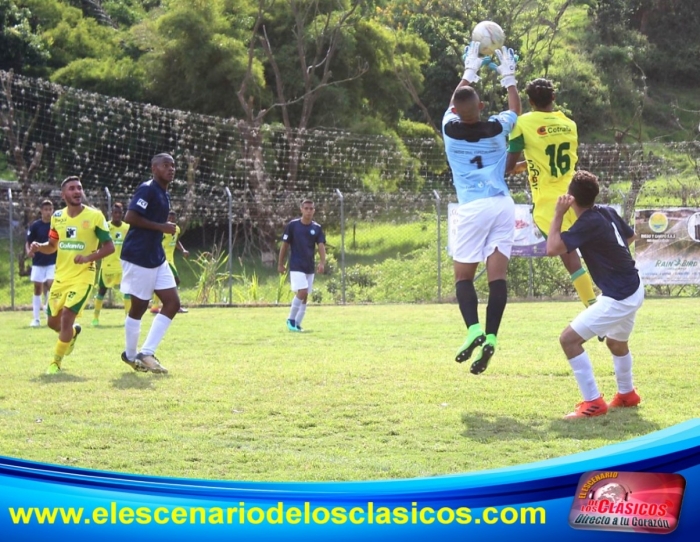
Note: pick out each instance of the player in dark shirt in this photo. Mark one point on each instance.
(43, 265)
(300, 238)
(144, 267)
(603, 239)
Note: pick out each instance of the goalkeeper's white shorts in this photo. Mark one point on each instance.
(484, 225)
(608, 317)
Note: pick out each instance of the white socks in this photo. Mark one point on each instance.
(160, 325)
(300, 314)
(36, 306)
(583, 372)
(296, 303)
(623, 372)
(132, 329)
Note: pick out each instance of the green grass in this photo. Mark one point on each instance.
(371, 392)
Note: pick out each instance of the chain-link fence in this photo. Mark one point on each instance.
(382, 201)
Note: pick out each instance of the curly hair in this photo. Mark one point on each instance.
(584, 187)
(541, 92)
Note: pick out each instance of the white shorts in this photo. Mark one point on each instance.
(42, 273)
(483, 226)
(301, 281)
(608, 317)
(141, 282)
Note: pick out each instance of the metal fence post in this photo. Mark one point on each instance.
(12, 252)
(229, 262)
(109, 215)
(439, 247)
(342, 242)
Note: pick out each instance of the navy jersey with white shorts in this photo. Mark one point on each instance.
(39, 231)
(601, 236)
(144, 268)
(141, 246)
(477, 156)
(302, 239)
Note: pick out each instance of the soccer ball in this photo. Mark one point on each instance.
(490, 36)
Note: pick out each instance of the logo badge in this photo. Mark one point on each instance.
(71, 232)
(142, 203)
(658, 222)
(633, 502)
(542, 130)
(313, 232)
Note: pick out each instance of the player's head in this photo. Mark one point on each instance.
(163, 168)
(46, 210)
(584, 187)
(117, 212)
(172, 217)
(466, 103)
(307, 208)
(540, 92)
(72, 191)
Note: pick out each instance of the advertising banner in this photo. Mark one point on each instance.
(667, 249)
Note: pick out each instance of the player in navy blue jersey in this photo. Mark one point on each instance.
(476, 151)
(144, 267)
(43, 265)
(300, 238)
(603, 239)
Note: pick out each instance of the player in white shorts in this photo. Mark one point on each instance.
(300, 238)
(145, 270)
(43, 265)
(603, 239)
(476, 151)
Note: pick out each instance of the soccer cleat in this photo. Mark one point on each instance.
(472, 343)
(54, 368)
(601, 339)
(71, 345)
(150, 363)
(589, 409)
(95, 322)
(482, 361)
(629, 399)
(35, 323)
(134, 364)
(298, 328)
(291, 325)
(183, 310)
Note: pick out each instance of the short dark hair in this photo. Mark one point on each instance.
(584, 187)
(540, 91)
(158, 158)
(307, 200)
(46, 203)
(172, 212)
(69, 180)
(118, 205)
(465, 95)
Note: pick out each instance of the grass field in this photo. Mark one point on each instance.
(370, 392)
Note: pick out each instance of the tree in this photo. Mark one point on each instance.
(22, 49)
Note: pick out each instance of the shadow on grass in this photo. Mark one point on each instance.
(134, 381)
(617, 425)
(60, 378)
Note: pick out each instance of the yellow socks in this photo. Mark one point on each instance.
(584, 286)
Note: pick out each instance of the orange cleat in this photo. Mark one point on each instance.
(588, 409)
(628, 399)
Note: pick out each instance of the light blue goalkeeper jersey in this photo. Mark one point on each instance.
(477, 154)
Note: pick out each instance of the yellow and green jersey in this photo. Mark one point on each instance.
(112, 262)
(78, 235)
(169, 245)
(550, 143)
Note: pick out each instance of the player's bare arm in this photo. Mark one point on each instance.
(322, 255)
(134, 219)
(106, 249)
(49, 247)
(555, 245)
(281, 261)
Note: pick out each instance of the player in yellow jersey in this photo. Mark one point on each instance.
(76, 232)
(170, 243)
(110, 275)
(549, 140)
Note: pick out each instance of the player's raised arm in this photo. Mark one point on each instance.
(507, 62)
(472, 65)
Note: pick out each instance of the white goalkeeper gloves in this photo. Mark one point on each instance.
(472, 62)
(507, 61)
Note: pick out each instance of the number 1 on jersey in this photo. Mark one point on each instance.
(477, 160)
